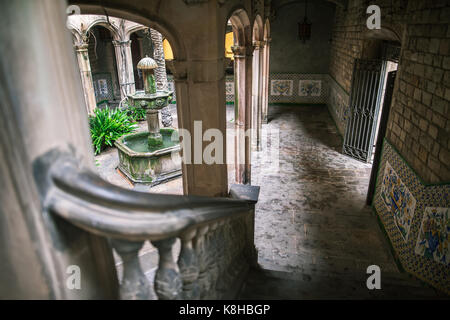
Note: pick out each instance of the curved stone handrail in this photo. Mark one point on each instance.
(93, 204)
(216, 234)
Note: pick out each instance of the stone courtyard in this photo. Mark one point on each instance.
(341, 190)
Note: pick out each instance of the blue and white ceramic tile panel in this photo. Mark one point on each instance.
(298, 88)
(338, 105)
(416, 218)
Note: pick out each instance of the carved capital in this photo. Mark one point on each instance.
(178, 69)
(238, 51)
(258, 44)
(242, 51)
(81, 46)
(117, 43)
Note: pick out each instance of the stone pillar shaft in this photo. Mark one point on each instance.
(86, 77)
(200, 91)
(265, 77)
(124, 67)
(243, 61)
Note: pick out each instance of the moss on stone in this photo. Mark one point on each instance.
(154, 142)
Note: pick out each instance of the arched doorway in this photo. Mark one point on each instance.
(103, 63)
(370, 99)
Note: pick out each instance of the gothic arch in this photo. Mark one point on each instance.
(266, 30)
(258, 29)
(103, 22)
(389, 32)
(241, 27)
(150, 20)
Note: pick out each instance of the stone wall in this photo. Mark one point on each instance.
(416, 149)
(338, 104)
(419, 122)
(346, 46)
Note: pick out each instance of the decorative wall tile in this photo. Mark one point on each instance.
(398, 200)
(412, 252)
(433, 241)
(314, 91)
(103, 86)
(281, 87)
(311, 88)
(229, 88)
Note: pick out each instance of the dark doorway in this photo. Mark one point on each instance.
(370, 99)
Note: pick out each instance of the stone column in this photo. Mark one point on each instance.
(248, 112)
(42, 111)
(124, 67)
(243, 60)
(86, 76)
(257, 91)
(200, 90)
(239, 105)
(265, 77)
(261, 92)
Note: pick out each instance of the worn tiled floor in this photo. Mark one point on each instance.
(311, 214)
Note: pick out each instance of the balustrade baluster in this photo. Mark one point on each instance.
(201, 254)
(135, 285)
(213, 253)
(188, 265)
(168, 284)
(221, 261)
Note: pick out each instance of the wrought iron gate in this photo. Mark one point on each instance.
(384, 116)
(368, 78)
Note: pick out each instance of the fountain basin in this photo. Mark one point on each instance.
(157, 100)
(143, 164)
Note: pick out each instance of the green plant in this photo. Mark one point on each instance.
(107, 126)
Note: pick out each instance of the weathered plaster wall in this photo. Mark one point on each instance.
(288, 54)
(417, 141)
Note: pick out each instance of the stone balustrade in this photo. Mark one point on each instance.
(216, 234)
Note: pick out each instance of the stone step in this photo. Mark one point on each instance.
(276, 285)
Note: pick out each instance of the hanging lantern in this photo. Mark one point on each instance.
(304, 28)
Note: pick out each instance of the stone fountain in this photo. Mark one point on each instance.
(150, 157)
